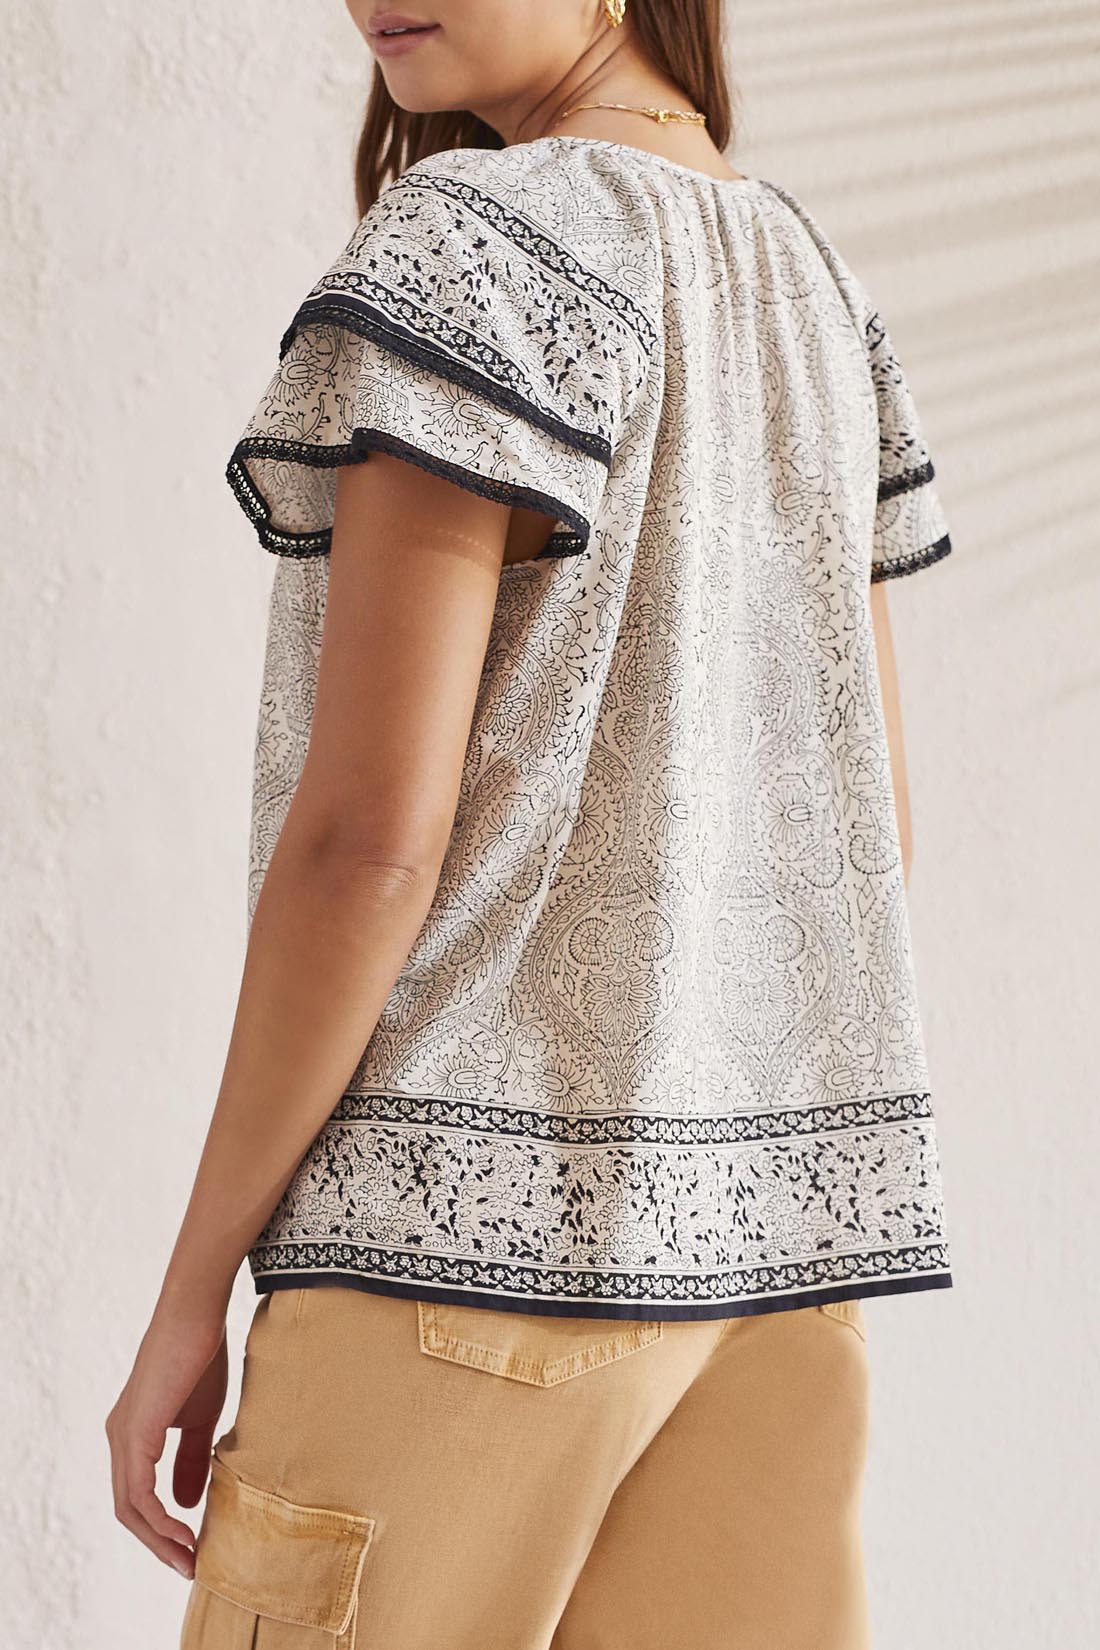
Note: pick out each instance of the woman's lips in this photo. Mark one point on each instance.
(392, 45)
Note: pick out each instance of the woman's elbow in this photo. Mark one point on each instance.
(408, 856)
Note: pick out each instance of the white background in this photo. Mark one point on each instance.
(174, 179)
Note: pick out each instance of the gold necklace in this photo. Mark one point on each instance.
(661, 115)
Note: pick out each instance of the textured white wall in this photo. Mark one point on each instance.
(173, 180)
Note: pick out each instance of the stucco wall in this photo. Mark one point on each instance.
(174, 179)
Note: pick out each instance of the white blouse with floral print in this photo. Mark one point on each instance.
(656, 1052)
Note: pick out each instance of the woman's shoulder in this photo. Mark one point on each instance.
(473, 208)
(555, 187)
(545, 163)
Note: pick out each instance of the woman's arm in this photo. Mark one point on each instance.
(887, 670)
(412, 586)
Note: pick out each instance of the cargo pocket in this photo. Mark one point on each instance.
(271, 1574)
(541, 1349)
(850, 1312)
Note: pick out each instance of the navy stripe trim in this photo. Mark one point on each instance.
(367, 321)
(593, 1308)
(363, 443)
(906, 481)
(515, 1279)
(433, 1111)
(900, 565)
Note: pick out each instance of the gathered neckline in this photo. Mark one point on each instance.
(640, 154)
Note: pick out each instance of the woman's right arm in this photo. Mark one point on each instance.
(412, 587)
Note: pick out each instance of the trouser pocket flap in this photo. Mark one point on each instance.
(293, 1563)
(540, 1349)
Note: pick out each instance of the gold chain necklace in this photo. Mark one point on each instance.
(693, 116)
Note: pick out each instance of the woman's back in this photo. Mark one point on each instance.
(657, 1050)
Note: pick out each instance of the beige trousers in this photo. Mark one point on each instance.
(404, 1475)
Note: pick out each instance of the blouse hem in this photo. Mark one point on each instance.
(595, 1308)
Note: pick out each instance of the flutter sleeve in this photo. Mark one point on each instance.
(910, 527)
(457, 333)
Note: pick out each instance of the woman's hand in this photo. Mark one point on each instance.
(179, 1379)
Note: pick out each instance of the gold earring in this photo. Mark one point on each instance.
(613, 10)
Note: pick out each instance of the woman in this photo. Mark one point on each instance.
(576, 1094)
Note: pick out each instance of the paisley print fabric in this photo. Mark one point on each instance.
(657, 1050)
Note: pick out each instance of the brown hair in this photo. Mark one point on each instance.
(682, 41)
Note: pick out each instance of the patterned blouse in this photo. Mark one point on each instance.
(656, 1052)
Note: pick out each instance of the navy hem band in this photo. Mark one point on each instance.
(603, 1309)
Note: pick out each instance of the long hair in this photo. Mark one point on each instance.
(683, 42)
